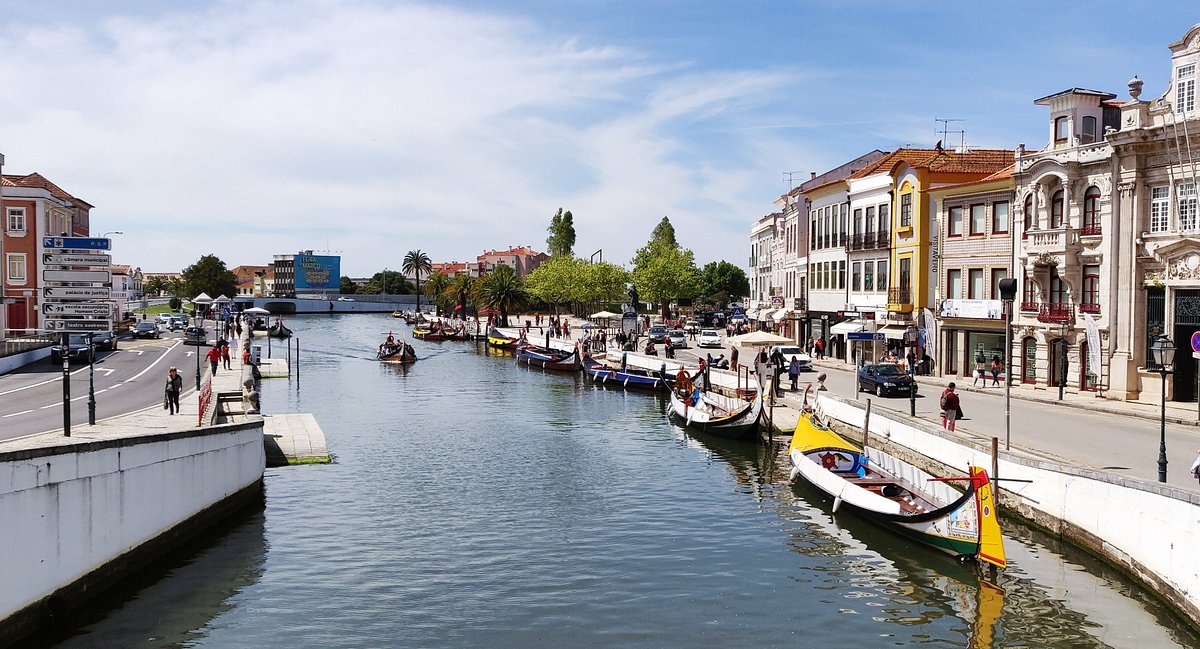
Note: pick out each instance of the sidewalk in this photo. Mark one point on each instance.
(1181, 413)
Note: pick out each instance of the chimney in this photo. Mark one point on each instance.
(813, 176)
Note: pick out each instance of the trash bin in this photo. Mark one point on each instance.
(256, 354)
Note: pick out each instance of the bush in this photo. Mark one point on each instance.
(176, 303)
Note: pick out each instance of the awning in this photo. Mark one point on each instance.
(893, 332)
(847, 327)
(752, 314)
(780, 315)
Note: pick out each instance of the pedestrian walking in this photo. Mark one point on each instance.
(951, 407)
(980, 367)
(794, 371)
(997, 367)
(733, 360)
(171, 391)
(214, 357)
(778, 362)
(225, 354)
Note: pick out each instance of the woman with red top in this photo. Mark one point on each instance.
(951, 410)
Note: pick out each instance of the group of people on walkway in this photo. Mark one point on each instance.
(982, 366)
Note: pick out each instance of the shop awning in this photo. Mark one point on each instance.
(752, 314)
(847, 327)
(780, 315)
(893, 332)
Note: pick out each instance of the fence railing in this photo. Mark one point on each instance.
(26, 342)
(204, 400)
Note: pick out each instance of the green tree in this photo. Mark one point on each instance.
(177, 286)
(348, 287)
(502, 291)
(435, 285)
(388, 281)
(663, 235)
(605, 283)
(562, 234)
(557, 280)
(719, 277)
(662, 271)
(415, 263)
(460, 289)
(155, 286)
(209, 275)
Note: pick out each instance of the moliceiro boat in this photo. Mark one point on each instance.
(624, 377)
(715, 413)
(500, 341)
(550, 359)
(279, 331)
(898, 495)
(397, 351)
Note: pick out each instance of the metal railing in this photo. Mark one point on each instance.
(1055, 312)
(18, 344)
(1089, 308)
(899, 296)
(1090, 231)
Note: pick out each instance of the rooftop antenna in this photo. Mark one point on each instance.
(787, 177)
(945, 132)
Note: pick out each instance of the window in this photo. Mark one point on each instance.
(868, 276)
(1160, 209)
(1060, 130)
(858, 222)
(1091, 285)
(1029, 218)
(812, 230)
(956, 222)
(16, 268)
(905, 274)
(906, 210)
(1000, 217)
(1087, 134)
(1056, 210)
(856, 276)
(1185, 89)
(1187, 206)
(1091, 211)
(885, 223)
(1028, 294)
(841, 278)
(1057, 288)
(870, 224)
(978, 219)
(954, 284)
(975, 284)
(997, 275)
(16, 220)
(842, 232)
(881, 275)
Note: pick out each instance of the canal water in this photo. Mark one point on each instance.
(478, 503)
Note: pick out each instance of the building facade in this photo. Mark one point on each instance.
(868, 252)
(523, 260)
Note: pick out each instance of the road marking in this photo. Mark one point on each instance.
(156, 361)
(34, 385)
(107, 371)
(16, 413)
(53, 405)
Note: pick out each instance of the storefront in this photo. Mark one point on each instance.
(970, 329)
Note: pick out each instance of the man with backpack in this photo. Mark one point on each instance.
(951, 408)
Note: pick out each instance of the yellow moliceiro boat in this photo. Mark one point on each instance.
(898, 495)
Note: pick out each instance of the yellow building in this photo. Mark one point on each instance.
(914, 173)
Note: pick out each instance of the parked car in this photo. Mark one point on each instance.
(177, 323)
(677, 338)
(195, 336)
(658, 334)
(691, 326)
(709, 338)
(147, 329)
(345, 299)
(789, 352)
(105, 341)
(884, 379)
(78, 348)
(164, 318)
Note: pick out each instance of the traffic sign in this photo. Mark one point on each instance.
(865, 335)
(91, 276)
(77, 243)
(78, 326)
(76, 259)
(1196, 341)
(95, 309)
(77, 293)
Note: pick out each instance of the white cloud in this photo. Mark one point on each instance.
(248, 129)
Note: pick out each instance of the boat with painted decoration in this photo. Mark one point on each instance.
(625, 377)
(898, 495)
(714, 413)
(549, 359)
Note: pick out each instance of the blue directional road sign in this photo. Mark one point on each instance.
(77, 243)
(865, 335)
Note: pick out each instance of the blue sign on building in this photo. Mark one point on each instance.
(77, 243)
(318, 272)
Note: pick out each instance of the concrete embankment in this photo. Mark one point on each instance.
(1147, 529)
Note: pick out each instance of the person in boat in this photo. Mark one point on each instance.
(722, 362)
(391, 340)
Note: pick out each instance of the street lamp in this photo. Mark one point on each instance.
(1164, 355)
(111, 232)
(910, 339)
(1008, 292)
(202, 300)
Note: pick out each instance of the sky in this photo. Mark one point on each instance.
(369, 128)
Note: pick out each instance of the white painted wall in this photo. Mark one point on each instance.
(1138, 522)
(69, 512)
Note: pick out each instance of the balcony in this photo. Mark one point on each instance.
(868, 241)
(1089, 308)
(1056, 312)
(1029, 307)
(899, 296)
(1090, 231)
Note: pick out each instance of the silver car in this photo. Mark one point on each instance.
(677, 338)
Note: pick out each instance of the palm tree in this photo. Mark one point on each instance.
(460, 289)
(417, 262)
(155, 286)
(434, 286)
(501, 290)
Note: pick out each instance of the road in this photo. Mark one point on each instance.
(128, 379)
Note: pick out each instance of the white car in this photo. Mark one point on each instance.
(709, 338)
(164, 318)
(345, 299)
(796, 352)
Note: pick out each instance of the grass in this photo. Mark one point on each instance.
(310, 460)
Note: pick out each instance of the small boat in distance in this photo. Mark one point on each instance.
(549, 359)
(398, 314)
(396, 351)
(277, 330)
(898, 495)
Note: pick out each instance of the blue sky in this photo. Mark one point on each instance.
(247, 129)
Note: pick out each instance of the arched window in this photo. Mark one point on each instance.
(1056, 210)
(1060, 130)
(1091, 212)
(1029, 360)
(1029, 219)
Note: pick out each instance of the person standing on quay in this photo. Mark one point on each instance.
(225, 354)
(214, 357)
(794, 371)
(951, 408)
(733, 360)
(173, 388)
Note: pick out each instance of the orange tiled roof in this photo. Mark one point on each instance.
(980, 161)
(38, 181)
(518, 251)
(1004, 174)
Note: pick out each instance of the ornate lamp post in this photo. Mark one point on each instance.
(1008, 292)
(1164, 355)
(910, 340)
(200, 302)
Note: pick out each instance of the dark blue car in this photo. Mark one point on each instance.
(885, 379)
